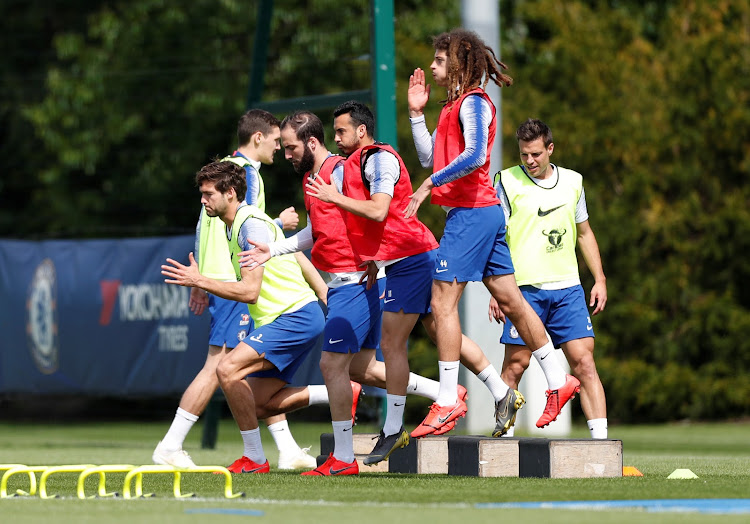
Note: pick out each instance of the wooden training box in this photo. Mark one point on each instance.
(363, 444)
(480, 456)
(426, 455)
(569, 458)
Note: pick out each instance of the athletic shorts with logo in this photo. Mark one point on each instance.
(473, 245)
(563, 312)
(355, 317)
(408, 284)
(230, 322)
(287, 340)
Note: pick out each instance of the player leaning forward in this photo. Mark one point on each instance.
(288, 319)
(473, 245)
(258, 140)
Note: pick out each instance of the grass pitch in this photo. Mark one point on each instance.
(718, 453)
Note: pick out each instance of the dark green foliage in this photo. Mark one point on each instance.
(641, 392)
(649, 102)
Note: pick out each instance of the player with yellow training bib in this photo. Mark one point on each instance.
(285, 310)
(545, 208)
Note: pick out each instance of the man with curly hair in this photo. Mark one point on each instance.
(473, 245)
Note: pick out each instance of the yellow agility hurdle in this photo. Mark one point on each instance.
(72, 468)
(5, 467)
(14, 469)
(101, 471)
(137, 474)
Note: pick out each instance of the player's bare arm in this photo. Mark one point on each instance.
(419, 196)
(376, 208)
(590, 250)
(246, 290)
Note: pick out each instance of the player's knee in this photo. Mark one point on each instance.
(441, 307)
(514, 309)
(221, 373)
(330, 366)
(265, 411)
(514, 370)
(328, 373)
(585, 369)
(226, 372)
(390, 346)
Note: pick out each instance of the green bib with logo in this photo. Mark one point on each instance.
(542, 231)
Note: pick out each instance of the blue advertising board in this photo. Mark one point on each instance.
(95, 317)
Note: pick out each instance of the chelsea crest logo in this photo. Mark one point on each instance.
(41, 318)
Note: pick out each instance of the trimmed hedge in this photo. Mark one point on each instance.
(638, 391)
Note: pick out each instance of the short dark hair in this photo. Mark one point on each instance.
(224, 175)
(305, 125)
(253, 121)
(359, 113)
(533, 129)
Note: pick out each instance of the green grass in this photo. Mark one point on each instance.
(718, 453)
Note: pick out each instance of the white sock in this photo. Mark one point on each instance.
(598, 427)
(553, 371)
(448, 394)
(394, 415)
(318, 394)
(510, 432)
(253, 447)
(343, 441)
(283, 438)
(494, 382)
(423, 386)
(179, 429)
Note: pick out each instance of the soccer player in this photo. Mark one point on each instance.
(473, 245)
(288, 319)
(375, 192)
(258, 140)
(545, 207)
(353, 325)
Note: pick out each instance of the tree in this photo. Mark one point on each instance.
(27, 29)
(654, 113)
(151, 90)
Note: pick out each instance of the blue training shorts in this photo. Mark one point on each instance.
(563, 312)
(473, 245)
(355, 317)
(408, 284)
(287, 340)
(230, 322)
